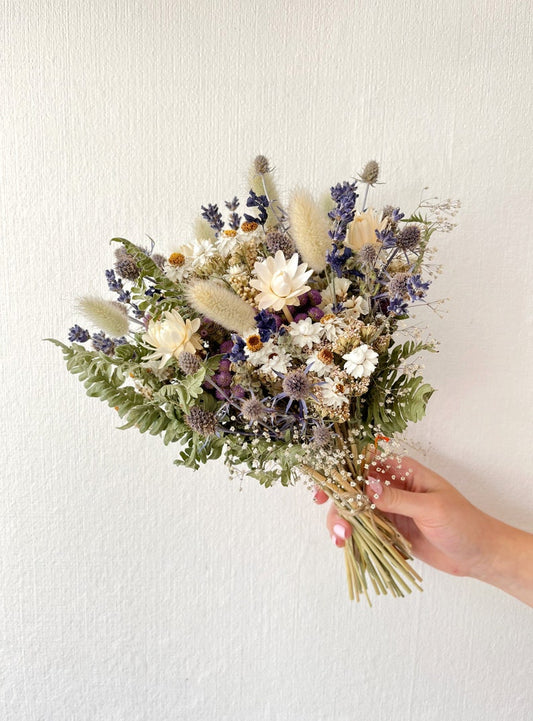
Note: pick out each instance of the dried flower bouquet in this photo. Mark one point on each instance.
(273, 339)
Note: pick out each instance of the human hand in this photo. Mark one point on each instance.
(445, 530)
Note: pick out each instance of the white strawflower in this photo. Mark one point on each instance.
(202, 251)
(305, 333)
(362, 229)
(361, 361)
(172, 336)
(280, 281)
(331, 393)
(341, 291)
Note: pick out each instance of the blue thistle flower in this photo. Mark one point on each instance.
(78, 334)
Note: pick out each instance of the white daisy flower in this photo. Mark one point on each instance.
(268, 357)
(305, 333)
(318, 367)
(361, 361)
(332, 326)
(225, 243)
(332, 393)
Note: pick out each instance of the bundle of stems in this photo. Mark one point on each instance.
(376, 553)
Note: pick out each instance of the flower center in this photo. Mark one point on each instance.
(254, 343)
(281, 283)
(177, 259)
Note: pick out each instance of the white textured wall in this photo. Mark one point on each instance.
(132, 590)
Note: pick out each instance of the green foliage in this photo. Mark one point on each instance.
(173, 294)
(395, 399)
(103, 378)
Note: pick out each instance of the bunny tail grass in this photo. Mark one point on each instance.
(214, 300)
(309, 229)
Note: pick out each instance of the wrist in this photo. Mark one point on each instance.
(507, 560)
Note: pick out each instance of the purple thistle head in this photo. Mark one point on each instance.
(408, 238)
(201, 421)
(189, 363)
(297, 386)
(253, 410)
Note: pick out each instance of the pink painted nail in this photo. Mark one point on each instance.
(340, 531)
(337, 541)
(319, 496)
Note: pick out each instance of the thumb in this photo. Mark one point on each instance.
(395, 500)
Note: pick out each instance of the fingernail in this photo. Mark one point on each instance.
(337, 541)
(375, 486)
(319, 496)
(340, 531)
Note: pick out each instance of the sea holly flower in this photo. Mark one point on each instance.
(361, 361)
(172, 336)
(280, 281)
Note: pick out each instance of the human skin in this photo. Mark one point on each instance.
(445, 530)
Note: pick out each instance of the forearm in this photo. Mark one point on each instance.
(509, 561)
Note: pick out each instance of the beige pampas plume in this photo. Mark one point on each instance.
(261, 181)
(110, 316)
(202, 230)
(309, 229)
(220, 304)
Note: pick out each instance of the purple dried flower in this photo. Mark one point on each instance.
(78, 334)
(189, 363)
(279, 241)
(315, 297)
(321, 436)
(101, 342)
(266, 324)
(213, 217)
(296, 385)
(368, 254)
(223, 379)
(299, 317)
(315, 313)
(159, 260)
(370, 173)
(408, 238)
(202, 421)
(253, 410)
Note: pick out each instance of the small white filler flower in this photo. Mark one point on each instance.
(280, 281)
(172, 336)
(361, 361)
